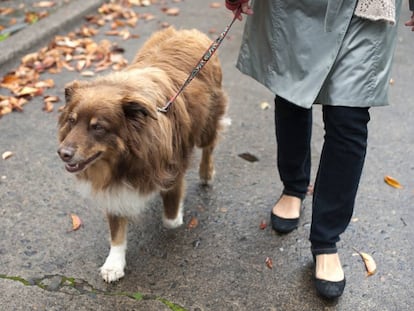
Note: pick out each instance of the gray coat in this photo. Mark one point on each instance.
(289, 47)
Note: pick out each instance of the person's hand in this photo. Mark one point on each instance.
(238, 7)
(410, 23)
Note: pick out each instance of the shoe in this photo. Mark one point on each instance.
(283, 225)
(328, 289)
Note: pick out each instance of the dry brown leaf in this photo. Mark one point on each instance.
(263, 224)
(48, 106)
(6, 11)
(48, 83)
(10, 79)
(248, 157)
(7, 154)
(44, 4)
(52, 99)
(193, 223)
(80, 65)
(87, 73)
(27, 90)
(172, 11)
(269, 262)
(76, 222)
(392, 182)
(369, 262)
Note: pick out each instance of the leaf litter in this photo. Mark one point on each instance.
(76, 51)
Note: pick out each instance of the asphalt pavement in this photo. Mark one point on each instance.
(220, 263)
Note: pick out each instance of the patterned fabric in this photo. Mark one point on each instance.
(376, 10)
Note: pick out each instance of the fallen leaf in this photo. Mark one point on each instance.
(269, 262)
(392, 182)
(263, 224)
(44, 4)
(87, 73)
(76, 222)
(172, 11)
(7, 154)
(27, 90)
(48, 83)
(48, 106)
(248, 157)
(264, 105)
(369, 262)
(193, 223)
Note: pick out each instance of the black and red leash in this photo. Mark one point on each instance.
(204, 59)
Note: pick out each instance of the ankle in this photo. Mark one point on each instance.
(329, 268)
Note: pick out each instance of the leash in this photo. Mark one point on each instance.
(204, 59)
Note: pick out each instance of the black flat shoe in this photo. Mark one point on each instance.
(283, 225)
(329, 289)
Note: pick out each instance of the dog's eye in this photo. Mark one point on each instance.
(71, 120)
(97, 127)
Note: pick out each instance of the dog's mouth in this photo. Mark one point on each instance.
(80, 166)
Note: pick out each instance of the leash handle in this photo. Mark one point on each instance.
(204, 59)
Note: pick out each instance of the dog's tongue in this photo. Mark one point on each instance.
(73, 168)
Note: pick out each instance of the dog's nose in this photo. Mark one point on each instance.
(66, 153)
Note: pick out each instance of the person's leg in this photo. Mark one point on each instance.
(336, 184)
(293, 126)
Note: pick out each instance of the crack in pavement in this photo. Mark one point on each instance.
(72, 286)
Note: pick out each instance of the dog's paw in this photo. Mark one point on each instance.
(174, 223)
(111, 274)
(113, 268)
(207, 178)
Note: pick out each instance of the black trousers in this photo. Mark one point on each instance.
(340, 166)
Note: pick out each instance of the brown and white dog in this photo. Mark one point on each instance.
(116, 142)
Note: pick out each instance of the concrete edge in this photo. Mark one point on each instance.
(38, 34)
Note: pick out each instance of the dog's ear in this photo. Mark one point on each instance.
(136, 111)
(70, 89)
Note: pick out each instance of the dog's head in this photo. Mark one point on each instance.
(102, 121)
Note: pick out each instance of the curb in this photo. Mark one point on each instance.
(40, 33)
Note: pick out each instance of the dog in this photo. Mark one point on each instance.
(124, 150)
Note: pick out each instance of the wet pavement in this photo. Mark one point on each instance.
(219, 264)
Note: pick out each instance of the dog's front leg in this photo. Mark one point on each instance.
(113, 268)
(173, 205)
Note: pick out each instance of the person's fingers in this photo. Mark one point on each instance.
(238, 15)
(246, 9)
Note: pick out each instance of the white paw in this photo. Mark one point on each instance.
(113, 268)
(176, 222)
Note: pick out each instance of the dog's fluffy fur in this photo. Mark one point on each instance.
(124, 151)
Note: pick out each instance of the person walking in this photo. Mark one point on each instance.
(330, 52)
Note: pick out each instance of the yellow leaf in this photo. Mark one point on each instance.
(27, 90)
(264, 105)
(6, 155)
(369, 262)
(392, 182)
(76, 222)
